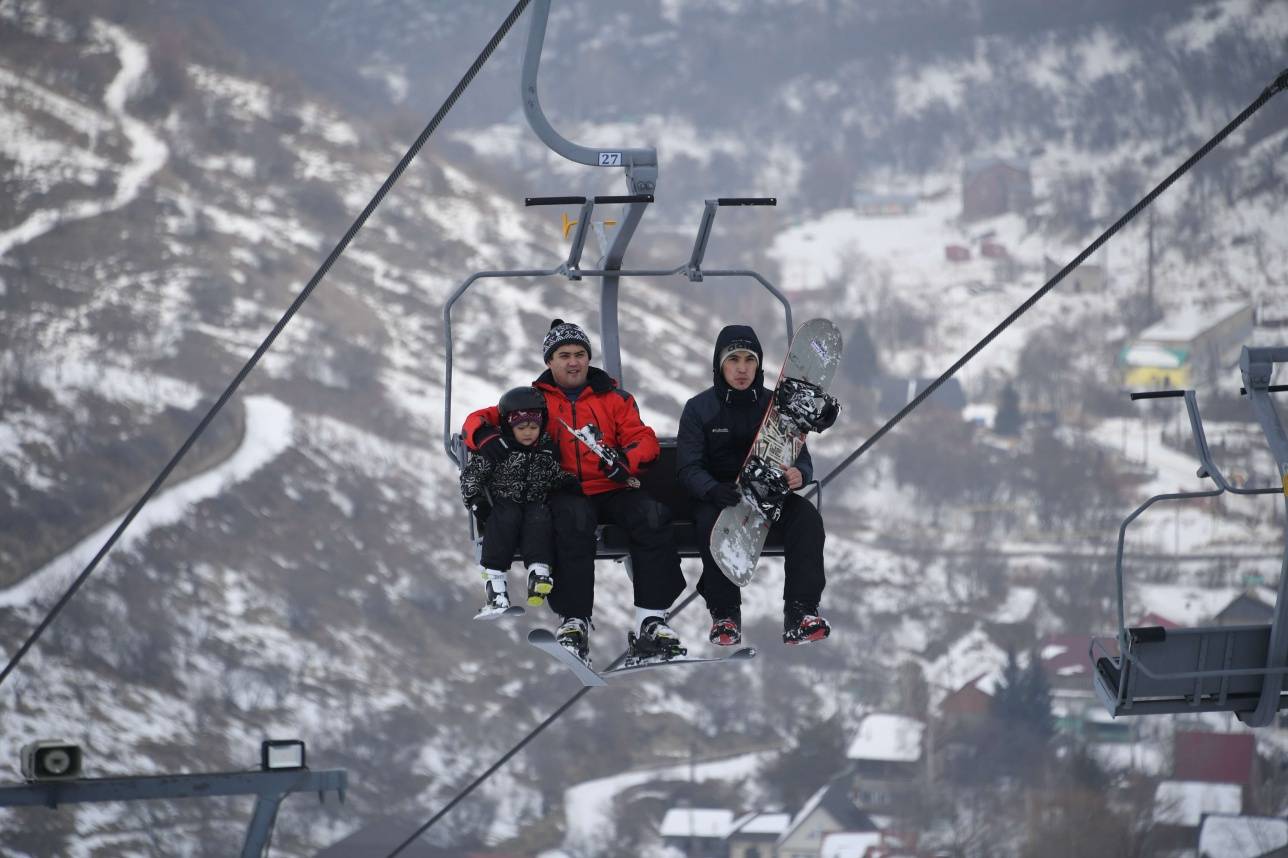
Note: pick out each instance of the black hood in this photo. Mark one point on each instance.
(729, 334)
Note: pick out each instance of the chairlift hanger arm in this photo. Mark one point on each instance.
(632, 159)
(640, 165)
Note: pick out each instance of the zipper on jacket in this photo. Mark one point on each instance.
(575, 442)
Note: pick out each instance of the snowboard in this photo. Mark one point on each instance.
(544, 640)
(739, 533)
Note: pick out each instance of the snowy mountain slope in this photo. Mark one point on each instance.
(324, 595)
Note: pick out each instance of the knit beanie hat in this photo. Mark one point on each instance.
(563, 333)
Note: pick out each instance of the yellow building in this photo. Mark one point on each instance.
(1187, 349)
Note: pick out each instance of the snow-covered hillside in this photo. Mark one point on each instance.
(171, 185)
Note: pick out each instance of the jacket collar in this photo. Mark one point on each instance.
(738, 398)
(598, 381)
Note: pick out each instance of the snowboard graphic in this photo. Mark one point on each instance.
(739, 533)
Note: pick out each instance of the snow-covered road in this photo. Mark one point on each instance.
(269, 429)
(148, 153)
(589, 805)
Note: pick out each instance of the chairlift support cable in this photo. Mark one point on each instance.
(339, 249)
(505, 758)
(1279, 84)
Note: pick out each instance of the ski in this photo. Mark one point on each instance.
(743, 654)
(544, 640)
(487, 614)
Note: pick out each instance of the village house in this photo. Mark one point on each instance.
(1087, 277)
(827, 811)
(886, 762)
(1218, 758)
(995, 186)
(1222, 836)
(870, 204)
(698, 832)
(1179, 810)
(851, 844)
(755, 834)
(1249, 608)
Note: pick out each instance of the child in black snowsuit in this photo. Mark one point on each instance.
(506, 486)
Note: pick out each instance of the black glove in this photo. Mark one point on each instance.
(614, 467)
(492, 445)
(479, 506)
(725, 494)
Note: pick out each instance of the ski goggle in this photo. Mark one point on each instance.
(514, 418)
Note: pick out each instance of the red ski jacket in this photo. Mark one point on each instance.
(601, 402)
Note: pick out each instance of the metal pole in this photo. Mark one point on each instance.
(261, 826)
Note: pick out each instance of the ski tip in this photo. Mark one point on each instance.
(540, 636)
(744, 654)
(492, 616)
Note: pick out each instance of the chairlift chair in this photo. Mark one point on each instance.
(641, 171)
(1239, 669)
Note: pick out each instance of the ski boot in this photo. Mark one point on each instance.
(540, 583)
(656, 641)
(498, 600)
(726, 626)
(574, 636)
(802, 624)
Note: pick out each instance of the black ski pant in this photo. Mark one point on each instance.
(658, 580)
(511, 525)
(801, 529)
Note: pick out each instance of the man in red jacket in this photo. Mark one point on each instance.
(577, 394)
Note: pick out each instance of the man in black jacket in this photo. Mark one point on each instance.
(717, 429)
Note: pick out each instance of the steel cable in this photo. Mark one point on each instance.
(1278, 85)
(272, 336)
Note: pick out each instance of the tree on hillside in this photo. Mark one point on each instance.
(1008, 420)
(1022, 720)
(816, 755)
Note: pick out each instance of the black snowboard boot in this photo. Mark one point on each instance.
(726, 626)
(656, 640)
(574, 635)
(802, 624)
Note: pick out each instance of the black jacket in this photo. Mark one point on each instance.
(718, 425)
(527, 474)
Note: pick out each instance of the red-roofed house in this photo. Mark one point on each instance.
(1217, 758)
(968, 703)
(1066, 662)
(1153, 619)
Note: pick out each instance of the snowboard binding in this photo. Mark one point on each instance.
(765, 486)
(655, 642)
(806, 405)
